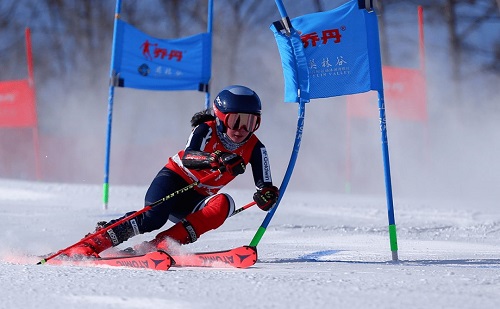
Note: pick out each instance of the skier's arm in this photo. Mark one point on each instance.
(195, 158)
(199, 160)
(267, 194)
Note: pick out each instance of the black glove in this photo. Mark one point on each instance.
(266, 197)
(231, 162)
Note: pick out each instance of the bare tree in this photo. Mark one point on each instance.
(318, 6)
(384, 42)
(12, 43)
(239, 19)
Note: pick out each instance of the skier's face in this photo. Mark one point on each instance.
(239, 135)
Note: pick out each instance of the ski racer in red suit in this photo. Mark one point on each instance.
(225, 139)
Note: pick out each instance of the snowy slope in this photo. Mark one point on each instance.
(320, 251)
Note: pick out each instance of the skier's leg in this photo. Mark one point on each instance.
(164, 183)
(210, 215)
(108, 239)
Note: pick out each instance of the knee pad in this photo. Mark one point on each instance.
(216, 201)
(214, 211)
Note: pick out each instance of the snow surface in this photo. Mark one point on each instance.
(320, 251)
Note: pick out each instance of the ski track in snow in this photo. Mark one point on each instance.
(320, 250)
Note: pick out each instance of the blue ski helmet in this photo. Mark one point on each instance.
(237, 99)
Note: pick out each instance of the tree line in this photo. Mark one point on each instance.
(69, 34)
(72, 50)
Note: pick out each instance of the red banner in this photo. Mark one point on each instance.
(17, 104)
(404, 93)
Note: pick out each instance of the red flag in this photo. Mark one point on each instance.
(17, 104)
(405, 96)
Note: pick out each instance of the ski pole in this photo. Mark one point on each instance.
(137, 213)
(237, 211)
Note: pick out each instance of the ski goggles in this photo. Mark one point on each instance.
(238, 121)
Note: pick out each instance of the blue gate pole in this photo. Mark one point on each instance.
(112, 81)
(387, 174)
(296, 147)
(209, 30)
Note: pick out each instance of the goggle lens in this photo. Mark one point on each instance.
(238, 121)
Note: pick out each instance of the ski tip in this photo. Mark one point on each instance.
(168, 256)
(161, 260)
(248, 257)
(41, 262)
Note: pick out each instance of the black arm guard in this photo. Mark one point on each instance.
(197, 160)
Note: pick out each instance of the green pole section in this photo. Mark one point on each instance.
(392, 238)
(105, 196)
(257, 237)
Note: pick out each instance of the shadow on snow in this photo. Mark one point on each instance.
(316, 257)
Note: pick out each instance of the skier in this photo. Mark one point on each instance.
(225, 140)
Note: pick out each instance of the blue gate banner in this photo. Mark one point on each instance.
(341, 50)
(144, 62)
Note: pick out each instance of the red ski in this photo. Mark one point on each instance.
(240, 257)
(158, 260)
